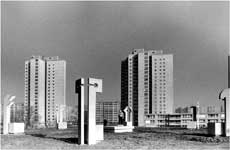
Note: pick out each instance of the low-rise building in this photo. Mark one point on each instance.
(107, 111)
(181, 119)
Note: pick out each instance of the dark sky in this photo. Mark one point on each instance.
(93, 37)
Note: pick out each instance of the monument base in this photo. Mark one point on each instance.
(128, 124)
(16, 128)
(215, 129)
(99, 133)
(119, 129)
(62, 125)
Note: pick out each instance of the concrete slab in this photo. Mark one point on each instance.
(16, 128)
(62, 125)
(99, 133)
(118, 129)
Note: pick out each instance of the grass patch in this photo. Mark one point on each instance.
(140, 139)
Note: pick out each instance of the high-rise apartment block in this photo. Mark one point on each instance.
(147, 83)
(45, 80)
(55, 87)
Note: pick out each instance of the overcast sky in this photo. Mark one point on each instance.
(93, 37)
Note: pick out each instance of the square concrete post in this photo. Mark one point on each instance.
(95, 85)
(58, 115)
(227, 116)
(80, 90)
(61, 113)
(197, 116)
(225, 95)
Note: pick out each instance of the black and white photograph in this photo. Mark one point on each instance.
(115, 75)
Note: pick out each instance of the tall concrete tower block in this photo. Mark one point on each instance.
(147, 83)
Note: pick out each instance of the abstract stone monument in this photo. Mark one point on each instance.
(122, 127)
(128, 116)
(225, 96)
(61, 124)
(88, 131)
(8, 102)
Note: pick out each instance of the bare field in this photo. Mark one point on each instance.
(142, 138)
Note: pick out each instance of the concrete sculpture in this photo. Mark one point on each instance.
(8, 102)
(225, 96)
(61, 124)
(124, 127)
(88, 131)
(128, 116)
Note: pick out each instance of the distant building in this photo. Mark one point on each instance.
(213, 109)
(183, 110)
(181, 119)
(45, 80)
(55, 87)
(147, 83)
(107, 111)
(35, 91)
(71, 113)
(202, 109)
(183, 116)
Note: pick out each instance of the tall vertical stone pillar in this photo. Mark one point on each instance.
(89, 132)
(225, 95)
(95, 85)
(81, 98)
(197, 116)
(229, 69)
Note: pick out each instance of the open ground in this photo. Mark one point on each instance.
(141, 138)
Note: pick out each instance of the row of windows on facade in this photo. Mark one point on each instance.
(160, 106)
(36, 69)
(49, 104)
(36, 83)
(154, 74)
(155, 85)
(155, 98)
(155, 71)
(146, 65)
(36, 89)
(146, 57)
(155, 81)
(163, 93)
(161, 79)
(36, 93)
(156, 89)
(49, 113)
